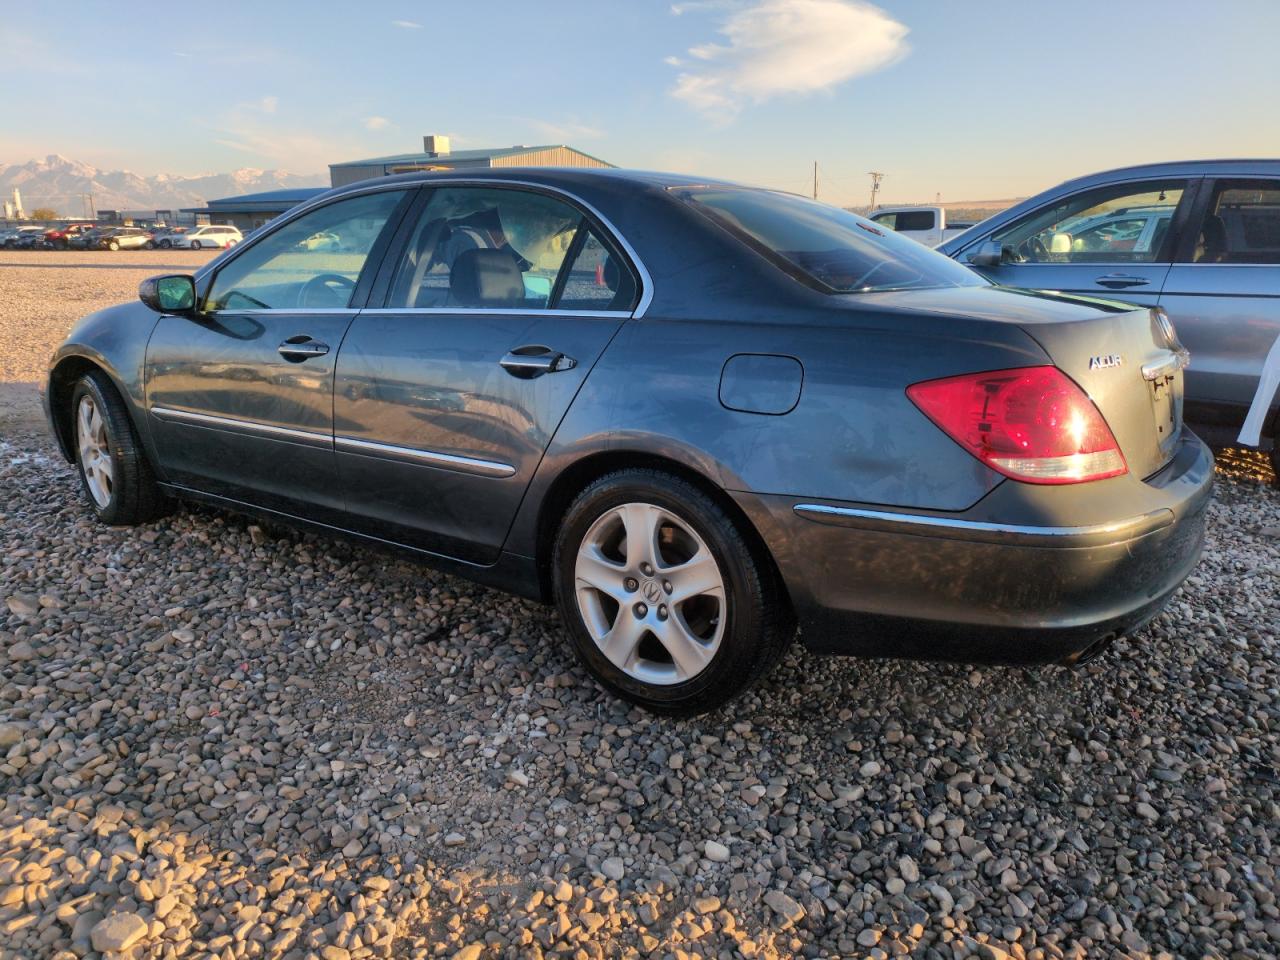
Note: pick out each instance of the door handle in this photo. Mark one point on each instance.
(1118, 281)
(534, 360)
(299, 348)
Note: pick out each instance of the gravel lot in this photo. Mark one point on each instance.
(218, 740)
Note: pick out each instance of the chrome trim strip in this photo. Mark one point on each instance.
(311, 438)
(288, 312)
(446, 461)
(501, 311)
(1178, 360)
(1116, 530)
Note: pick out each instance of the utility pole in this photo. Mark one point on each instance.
(815, 179)
(876, 177)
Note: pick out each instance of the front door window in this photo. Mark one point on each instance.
(1128, 223)
(313, 262)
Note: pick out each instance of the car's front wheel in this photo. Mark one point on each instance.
(668, 601)
(113, 468)
(195, 244)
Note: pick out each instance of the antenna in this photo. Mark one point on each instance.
(876, 177)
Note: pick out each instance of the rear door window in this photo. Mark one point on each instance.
(914, 220)
(1241, 224)
(492, 248)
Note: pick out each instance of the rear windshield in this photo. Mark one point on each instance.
(828, 248)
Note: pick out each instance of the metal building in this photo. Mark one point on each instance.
(437, 155)
(252, 210)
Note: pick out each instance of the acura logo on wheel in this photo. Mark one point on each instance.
(652, 592)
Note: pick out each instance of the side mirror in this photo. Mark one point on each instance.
(173, 293)
(989, 253)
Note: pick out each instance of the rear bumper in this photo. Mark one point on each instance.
(1029, 574)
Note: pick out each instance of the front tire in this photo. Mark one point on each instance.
(113, 246)
(195, 244)
(669, 602)
(164, 244)
(114, 473)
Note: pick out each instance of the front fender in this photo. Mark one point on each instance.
(113, 340)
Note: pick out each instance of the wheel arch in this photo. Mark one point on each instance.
(62, 382)
(581, 473)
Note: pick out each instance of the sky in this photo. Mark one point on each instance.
(957, 100)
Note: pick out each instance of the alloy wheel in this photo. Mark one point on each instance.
(650, 593)
(95, 451)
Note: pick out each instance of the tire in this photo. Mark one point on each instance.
(113, 246)
(732, 638)
(165, 244)
(150, 244)
(195, 244)
(129, 495)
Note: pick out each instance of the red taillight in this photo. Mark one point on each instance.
(1031, 423)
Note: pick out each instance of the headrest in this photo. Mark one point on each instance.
(1212, 245)
(486, 278)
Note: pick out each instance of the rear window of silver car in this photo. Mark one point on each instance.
(825, 247)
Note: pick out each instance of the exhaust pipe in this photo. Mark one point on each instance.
(1091, 652)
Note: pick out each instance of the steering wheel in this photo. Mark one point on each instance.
(333, 285)
(1036, 249)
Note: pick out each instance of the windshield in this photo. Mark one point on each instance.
(828, 248)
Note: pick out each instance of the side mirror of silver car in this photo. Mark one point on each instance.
(989, 253)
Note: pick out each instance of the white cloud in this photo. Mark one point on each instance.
(778, 47)
(376, 123)
(406, 24)
(268, 104)
(564, 132)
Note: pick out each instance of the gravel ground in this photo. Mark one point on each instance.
(218, 740)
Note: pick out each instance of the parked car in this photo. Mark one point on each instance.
(164, 238)
(123, 238)
(324, 240)
(32, 239)
(1199, 239)
(14, 237)
(206, 236)
(88, 240)
(927, 225)
(518, 377)
(60, 237)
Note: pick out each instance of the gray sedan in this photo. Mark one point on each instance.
(1200, 239)
(693, 414)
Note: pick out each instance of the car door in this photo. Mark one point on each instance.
(1223, 295)
(1114, 241)
(496, 307)
(241, 399)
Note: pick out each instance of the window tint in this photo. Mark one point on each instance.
(825, 246)
(1242, 225)
(484, 247)
(283, 271)
(1116, 224)
(890, 220)
(914, 220)
(597, 279)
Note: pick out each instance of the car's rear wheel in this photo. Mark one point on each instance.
(113, 245)
(668, 601)
(114, 471)
(195, 244)
(164, 244)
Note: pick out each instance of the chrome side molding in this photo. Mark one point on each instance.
(955, 528)
(364, 448)
(447, 461)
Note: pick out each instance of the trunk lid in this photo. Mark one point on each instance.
(1130, 364)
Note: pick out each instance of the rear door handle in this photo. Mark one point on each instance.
(1118, 281)
(299, 348)
(534, 360)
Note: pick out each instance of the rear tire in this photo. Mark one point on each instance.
(195, 244)
(114, 473)
(113, 246)
(691, 613)
(164, 244)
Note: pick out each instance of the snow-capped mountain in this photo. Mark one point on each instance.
(61, 184)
